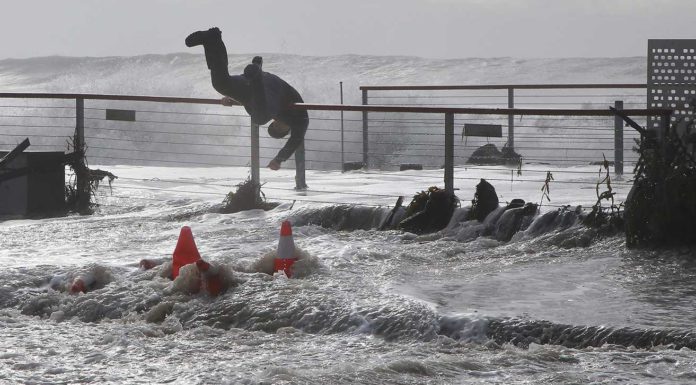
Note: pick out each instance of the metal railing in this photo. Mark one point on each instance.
(564, 96)
(449, 118)
(149, 123)
(198, 132)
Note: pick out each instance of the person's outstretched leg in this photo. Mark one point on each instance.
(236, 87)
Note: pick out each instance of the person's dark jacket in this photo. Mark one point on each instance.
(278, 96)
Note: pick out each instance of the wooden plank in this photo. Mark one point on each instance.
(22, 171)
(393, 211)
(623, 115)
(122, 115)
(13, 154)
(483, 130)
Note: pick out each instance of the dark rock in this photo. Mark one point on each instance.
(485, 201)
(515, 203)
(410, 166)
(510, 156)
(601, 163)
(350, 166)
(429, 211)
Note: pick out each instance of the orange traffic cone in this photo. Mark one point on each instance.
(185, 251)
(211, 280)
(286, 250)
(82, 283)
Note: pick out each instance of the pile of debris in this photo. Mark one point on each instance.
(489, 154)
(247, 197)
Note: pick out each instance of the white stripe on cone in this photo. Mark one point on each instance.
(285, 257)
(286, 245)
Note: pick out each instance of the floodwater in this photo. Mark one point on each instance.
(557, 304)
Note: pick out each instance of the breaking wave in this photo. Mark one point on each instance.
(561, 227)
(523, 333)
(262, 303)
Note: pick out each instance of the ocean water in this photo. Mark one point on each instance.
(317, 78)
(555, 304)
(216, 135)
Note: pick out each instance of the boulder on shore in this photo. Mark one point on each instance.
(484, 202)
(429, 211)
(488, 154)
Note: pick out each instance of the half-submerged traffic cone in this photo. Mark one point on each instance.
(185, 251)
(82, 283)
(285, 257)
(211, 279)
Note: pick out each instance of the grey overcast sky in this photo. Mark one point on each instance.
(426, 28)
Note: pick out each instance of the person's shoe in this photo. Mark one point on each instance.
(202, 37)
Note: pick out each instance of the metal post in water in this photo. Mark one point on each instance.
(449, 152)
(618, 139)
(511, 119)
(81, 177)
(255, 155)
(365, 134)
(343, 160)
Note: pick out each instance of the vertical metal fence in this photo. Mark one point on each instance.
(541, 139)
(402, 130)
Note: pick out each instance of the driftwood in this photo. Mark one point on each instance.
(629, 121)
(14, 153)
(12, 173)
(387, 222)
(96, 176)
(22, 171)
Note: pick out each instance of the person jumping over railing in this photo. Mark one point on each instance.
(265, 96)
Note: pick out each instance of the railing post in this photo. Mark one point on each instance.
(365, 132)
(449, 152)
(79, 123)
(81, 174)
(618, 139)
(255, 156)
(343, 159)
(511, 119)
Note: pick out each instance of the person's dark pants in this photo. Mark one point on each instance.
(248, 92)
(298, 120)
